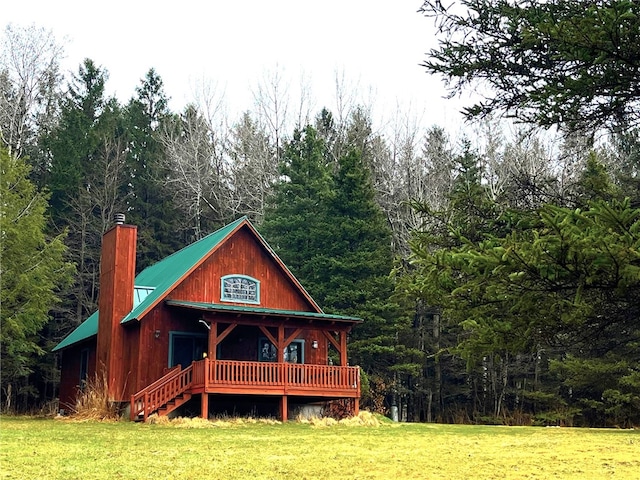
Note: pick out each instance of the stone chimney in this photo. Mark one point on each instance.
(117, 274)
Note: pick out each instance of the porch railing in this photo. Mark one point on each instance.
(210, 373)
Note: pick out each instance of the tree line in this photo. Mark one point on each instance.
(496, 272)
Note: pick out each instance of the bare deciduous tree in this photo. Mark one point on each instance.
(272, 104)
(253, 168)
(29, 81)
(92, 211)
(198, 176)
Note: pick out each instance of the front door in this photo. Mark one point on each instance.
(186, 347)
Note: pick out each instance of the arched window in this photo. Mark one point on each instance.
(240, 288)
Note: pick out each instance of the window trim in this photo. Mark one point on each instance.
(224, 298)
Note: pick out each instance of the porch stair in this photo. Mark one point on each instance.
(171, 405)
(164, 395)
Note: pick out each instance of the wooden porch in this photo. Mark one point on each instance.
(281, 379)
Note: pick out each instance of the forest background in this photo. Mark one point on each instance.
(497, 272)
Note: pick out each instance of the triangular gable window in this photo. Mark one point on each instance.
(139, 294)
(240, 288)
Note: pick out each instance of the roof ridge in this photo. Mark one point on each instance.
(199, 241)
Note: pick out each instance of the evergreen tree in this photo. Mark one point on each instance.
(357, 278)
(149, 202)
(328, 228)
(75, 143)
(566, 63)
(296, 225)
(33, 271)
(357, 281)
(88, 149)
(563, 282)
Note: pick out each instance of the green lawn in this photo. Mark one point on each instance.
(60, 449)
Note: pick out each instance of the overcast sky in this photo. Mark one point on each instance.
(376, 44)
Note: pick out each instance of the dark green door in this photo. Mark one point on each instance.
(185, 348)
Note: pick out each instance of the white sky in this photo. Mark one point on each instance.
(376, 44)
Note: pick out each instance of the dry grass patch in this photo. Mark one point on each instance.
(197, 422)
(363, 419)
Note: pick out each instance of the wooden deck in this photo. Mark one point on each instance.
(246, 378)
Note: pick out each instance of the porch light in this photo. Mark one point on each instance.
(314, 344)
(156, 334)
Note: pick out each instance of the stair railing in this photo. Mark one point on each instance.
(160, 392)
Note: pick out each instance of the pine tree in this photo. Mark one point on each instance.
(296, 224)
(357, 278)
(149, 202)
(328, 228)
(88, 151)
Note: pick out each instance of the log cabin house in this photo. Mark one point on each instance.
(221, 324)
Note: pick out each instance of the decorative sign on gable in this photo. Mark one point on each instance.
(240, 288)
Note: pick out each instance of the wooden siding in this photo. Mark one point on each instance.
(137, 354)
(242, 254)
(70, 373)
(153, 353)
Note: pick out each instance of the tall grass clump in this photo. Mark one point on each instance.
(93, 402)
(363, 419)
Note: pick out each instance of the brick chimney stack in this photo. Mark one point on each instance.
(117, 274)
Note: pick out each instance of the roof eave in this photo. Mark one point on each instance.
(248, 310)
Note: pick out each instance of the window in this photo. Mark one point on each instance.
(139, 294)
(293, 353)
(240, 288)
(84, 367)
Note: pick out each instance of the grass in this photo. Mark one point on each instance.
(247, 449)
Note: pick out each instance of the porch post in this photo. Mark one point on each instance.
(213, 340)
(204, 405)
(205, 367)
(343, 349)
(356, 406)
(280, 346)
(284, 408)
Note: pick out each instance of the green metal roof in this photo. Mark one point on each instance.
(158, 279)
(85, 330)
(217, 307)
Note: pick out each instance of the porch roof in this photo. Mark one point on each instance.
(253, 311)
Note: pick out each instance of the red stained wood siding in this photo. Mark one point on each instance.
(242, 254)
(152, 358)
(70, 373)
(240, 344)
